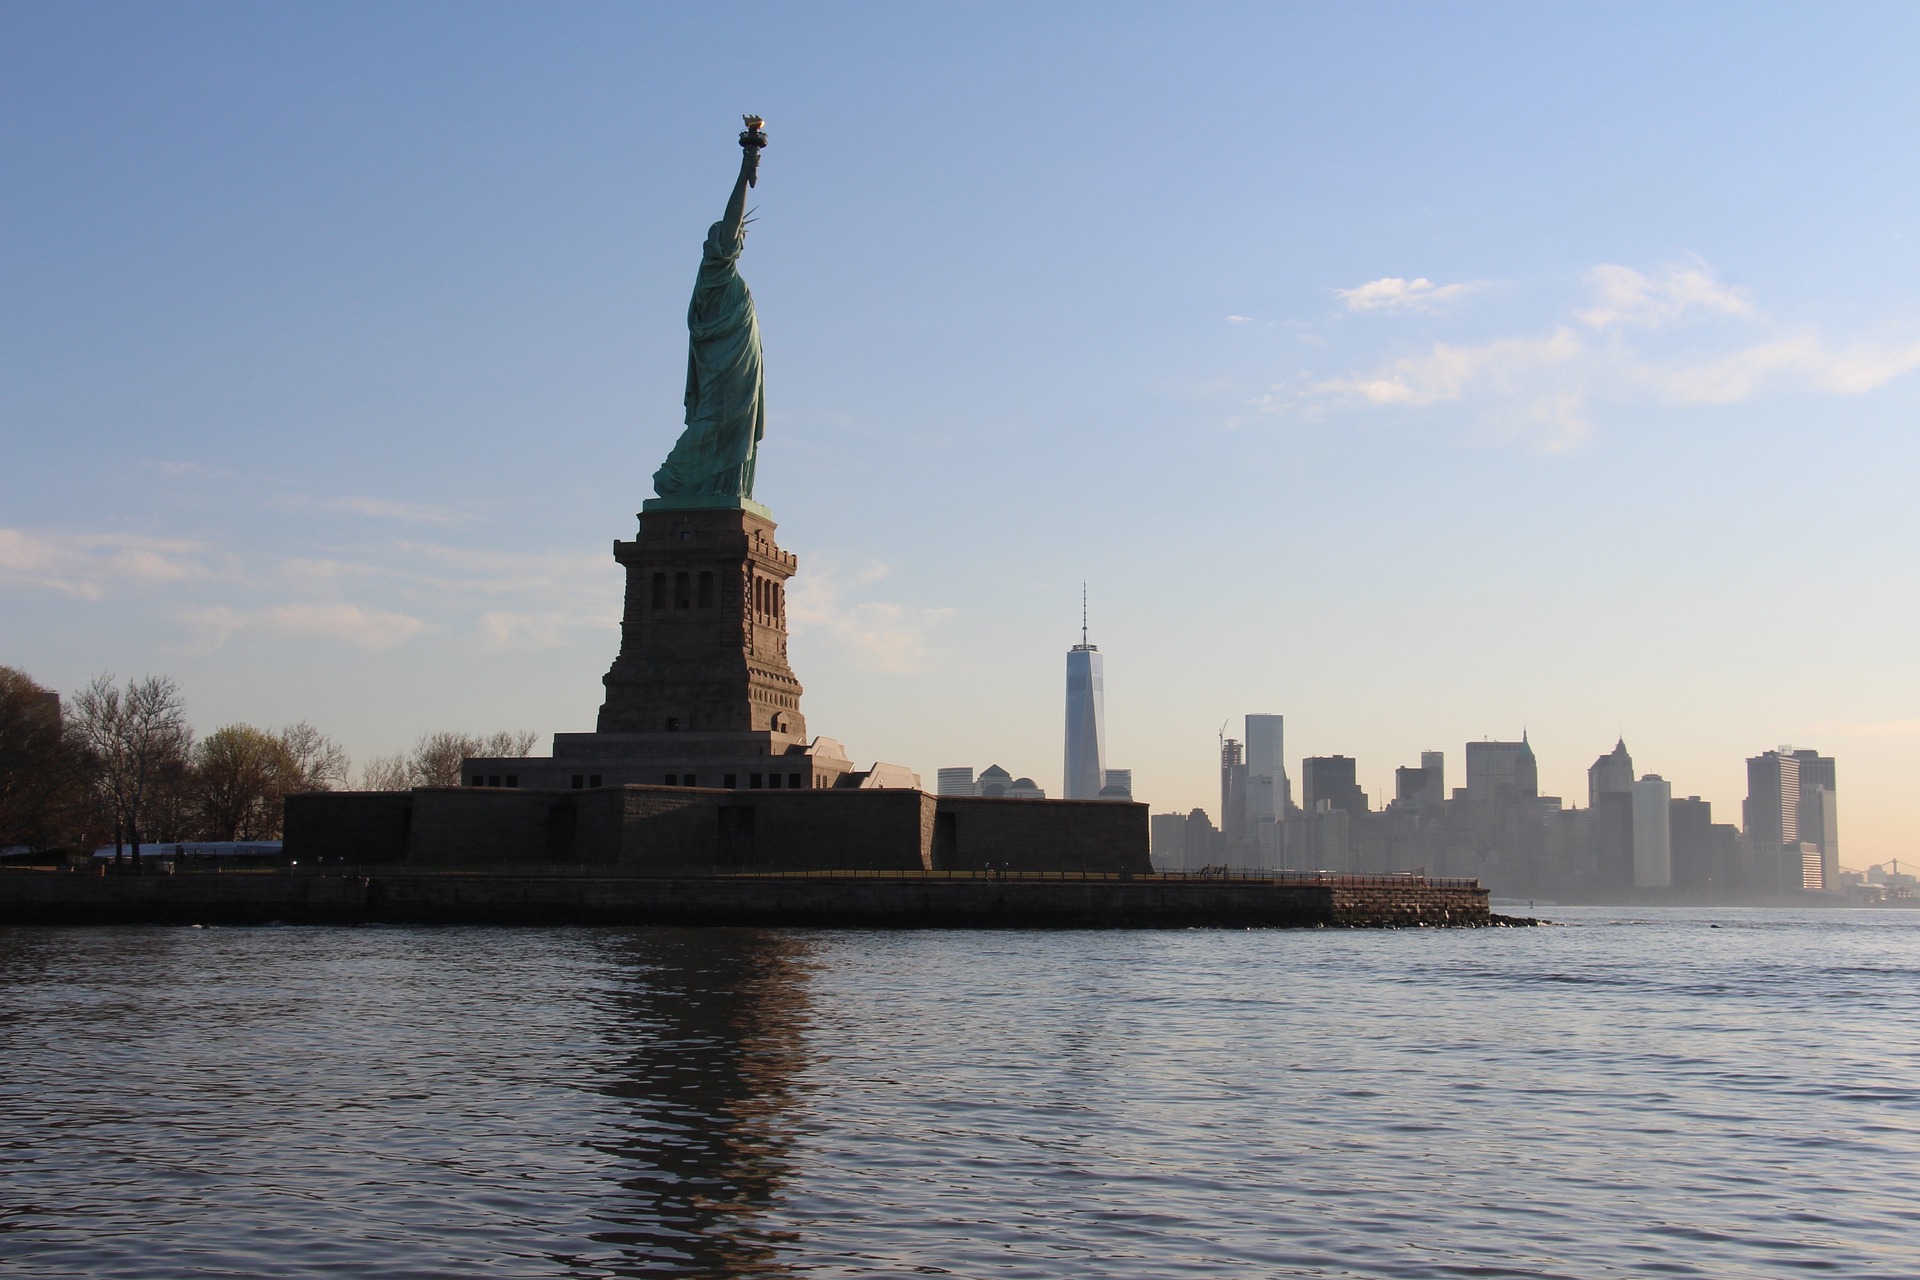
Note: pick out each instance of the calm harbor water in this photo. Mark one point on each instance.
(1632, 1094)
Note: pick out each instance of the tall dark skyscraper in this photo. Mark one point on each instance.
(1331, 779)
(1233, 796)
(1695, 855)
(1502, 771)
(1610, 798)
(1611, 774)
(1422, 787)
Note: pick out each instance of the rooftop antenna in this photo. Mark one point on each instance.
(1083, 613)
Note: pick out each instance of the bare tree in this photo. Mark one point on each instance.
(319, 762)
(133, 735)
(436, 758)
(505, 743)
(386, 773)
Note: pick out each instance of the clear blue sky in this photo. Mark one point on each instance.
(1423, 373)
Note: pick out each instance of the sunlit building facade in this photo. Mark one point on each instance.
(1266, 778)
(958, 782)
(1652, 833)
(1086, 722)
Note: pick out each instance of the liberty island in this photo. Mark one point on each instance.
(701, 796)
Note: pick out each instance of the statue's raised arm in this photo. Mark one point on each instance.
(712, 463)
(752, 140)
(735, 218)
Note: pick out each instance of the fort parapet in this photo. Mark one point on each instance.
(660, 830)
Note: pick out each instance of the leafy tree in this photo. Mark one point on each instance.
(173, 804)
(135, 736)
(42, 769)
(241, 777)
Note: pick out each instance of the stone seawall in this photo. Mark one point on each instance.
(1365, 905)
(910, 902)
(239, 898)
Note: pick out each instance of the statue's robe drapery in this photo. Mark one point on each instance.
(726, 399)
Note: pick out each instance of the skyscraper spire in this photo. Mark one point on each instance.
(1083, 613)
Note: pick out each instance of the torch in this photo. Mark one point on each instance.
(753, 138)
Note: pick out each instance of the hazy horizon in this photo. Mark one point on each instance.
(1422, 375)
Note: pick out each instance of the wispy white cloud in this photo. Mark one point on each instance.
(464, 572)
(195, 473)
(891, 637)
(1623, 296)
(272, 493)
(372, 598)
(553, 575)
(546, 598)
(1876, 729)
(341, 623)
(1239, 319)
(1391, 293)
(534, 600)
(1543, 387)
(380, 509)
(1537, 385)
(1448, 372)
(305, 571)
(537, 600)
(503, 629)
(1799, 362)
(89, 565)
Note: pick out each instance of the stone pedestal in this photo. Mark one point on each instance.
(700, 695)
(703, 641)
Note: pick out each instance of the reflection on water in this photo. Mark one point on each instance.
(1709, 1094)
(397, 1102)
(704, 1053)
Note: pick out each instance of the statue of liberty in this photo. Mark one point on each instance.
(712, 463)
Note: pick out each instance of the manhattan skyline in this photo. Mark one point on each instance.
(1422, 377)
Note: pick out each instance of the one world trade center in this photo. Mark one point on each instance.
(1086, 719)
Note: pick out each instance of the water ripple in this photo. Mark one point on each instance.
(1717, 1094)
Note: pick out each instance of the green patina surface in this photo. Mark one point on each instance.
(712, 463)
(707, 502)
